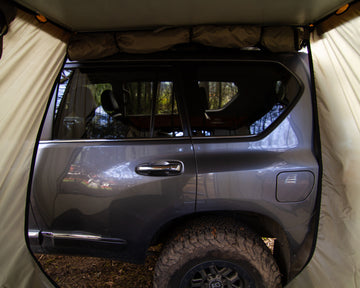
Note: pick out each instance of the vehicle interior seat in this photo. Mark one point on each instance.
(79, 114)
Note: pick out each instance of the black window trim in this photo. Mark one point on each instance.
(174, 64)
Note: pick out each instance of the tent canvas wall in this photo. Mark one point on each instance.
(336, 47)
(32, 57)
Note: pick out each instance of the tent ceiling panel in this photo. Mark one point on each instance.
(111, 15)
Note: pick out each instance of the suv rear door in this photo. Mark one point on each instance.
(252, 131)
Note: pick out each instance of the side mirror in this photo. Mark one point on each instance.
(7, 14)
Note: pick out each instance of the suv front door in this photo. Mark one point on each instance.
(116, 162)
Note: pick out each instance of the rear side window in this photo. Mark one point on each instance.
(242, 99)
(112, 104)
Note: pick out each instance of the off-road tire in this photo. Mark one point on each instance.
(212, 243)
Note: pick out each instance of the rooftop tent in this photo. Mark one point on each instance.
(85, 16)
(32, 57)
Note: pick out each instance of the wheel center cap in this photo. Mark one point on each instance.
(216, 283)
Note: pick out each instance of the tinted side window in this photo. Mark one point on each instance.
(114, 104)
(239, 99)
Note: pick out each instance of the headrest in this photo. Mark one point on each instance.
(110, 104)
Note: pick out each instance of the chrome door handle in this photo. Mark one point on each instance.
(160, 168)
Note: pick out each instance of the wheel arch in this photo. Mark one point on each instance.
(260, 224)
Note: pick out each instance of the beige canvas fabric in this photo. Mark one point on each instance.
(227, 36)
(32, 56)
(92, 46)
(151, 41)
(281, 39)
(336, 54)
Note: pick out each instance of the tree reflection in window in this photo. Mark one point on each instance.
(260, 125)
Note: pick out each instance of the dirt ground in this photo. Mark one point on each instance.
(81, 272)
(88, 272)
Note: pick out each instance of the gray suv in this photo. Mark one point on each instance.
(205, 152)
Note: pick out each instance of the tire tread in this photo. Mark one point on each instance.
(216, 234)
